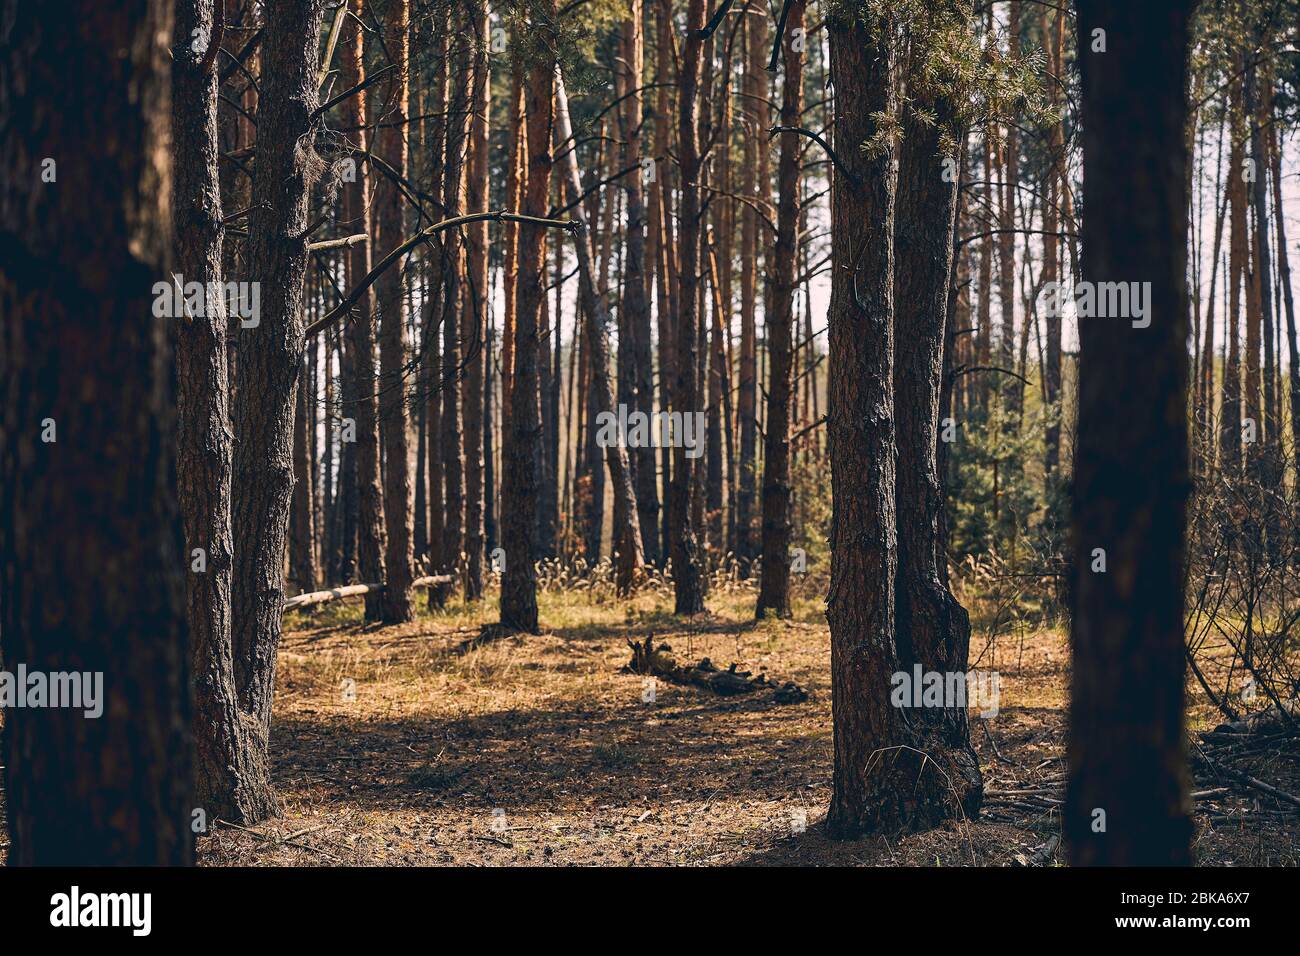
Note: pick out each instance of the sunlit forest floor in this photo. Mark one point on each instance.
(443, 743)
(424, 744)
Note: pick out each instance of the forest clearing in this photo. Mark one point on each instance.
(542, 750)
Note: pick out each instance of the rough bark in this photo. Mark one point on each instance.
(270, 356)
(83, 352)
(204, 439)
(882, 780)
(931, 628)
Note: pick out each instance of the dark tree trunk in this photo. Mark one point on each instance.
(774, 589)
(270, 357)
(396, 603)
(92, 558)
(523, 428)
(204, 445)
(1127, 801)
(688, 578)
(882, 780)
(931, 628)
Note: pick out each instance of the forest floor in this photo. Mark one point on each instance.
(425, 744)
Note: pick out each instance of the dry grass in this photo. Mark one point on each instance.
(537, 750)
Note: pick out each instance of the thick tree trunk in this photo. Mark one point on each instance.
(396, 604)
(204, 446)
(87, 422)
(774, 589)
(882, 779)
(522, 453)
(1127, 801)
(270, 355)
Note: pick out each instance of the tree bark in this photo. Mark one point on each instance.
(86, 429)
(270, 357)
(688, 579)
(396, 603)
(931, 628)
(628, 556)
(1127, 802)
(882, 780)
(774, 587)
(477, 353)
(372, 540)
(522, 453)
(636, 300)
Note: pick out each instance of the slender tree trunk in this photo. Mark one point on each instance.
(688, 579)
(1127, 801)
(774, 588)
(86, 470)
(523, 433)
(396, 604)
(516, 175)
(636, 295)
(476, 303)
(1284, 278)
(628, 556)
(1231, 415)
(372, 539)
(453, 270)
(302, 527)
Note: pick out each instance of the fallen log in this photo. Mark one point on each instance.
(355, 590)
(652, 661)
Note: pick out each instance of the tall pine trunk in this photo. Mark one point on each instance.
(91, 545)
(270, 356)
(1127, 802)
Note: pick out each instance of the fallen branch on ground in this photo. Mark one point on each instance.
(652, 661)
(354, 590)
